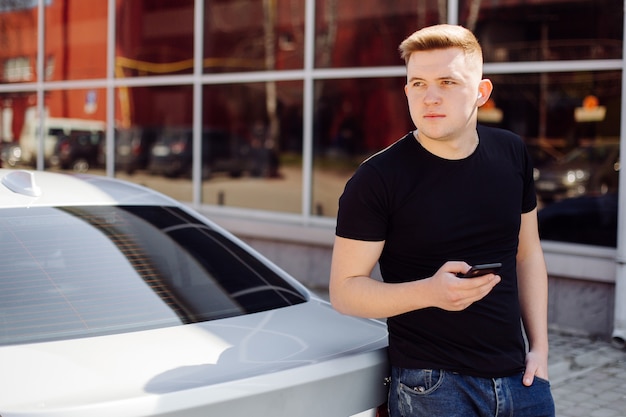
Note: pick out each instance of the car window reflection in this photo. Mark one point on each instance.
(99, 270)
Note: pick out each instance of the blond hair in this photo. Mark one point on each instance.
(442, 37)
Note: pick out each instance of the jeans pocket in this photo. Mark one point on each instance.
(540, 380)
(418, 392)
(420, 381)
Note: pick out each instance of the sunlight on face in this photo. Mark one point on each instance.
(442, 90)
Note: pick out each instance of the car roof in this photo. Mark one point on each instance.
(31, 188)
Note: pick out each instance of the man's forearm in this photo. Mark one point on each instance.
(533, 296)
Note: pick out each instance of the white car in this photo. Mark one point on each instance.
(119, 301)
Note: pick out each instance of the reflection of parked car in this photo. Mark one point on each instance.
(222, 151)
(132, 148)
(590, 169)
(542, 155)
(588, 219)
(81, 150)
(118, 301)
(55, 128)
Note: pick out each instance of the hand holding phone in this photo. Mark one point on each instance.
(480, 270)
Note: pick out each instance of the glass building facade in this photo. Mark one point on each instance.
(264, 108)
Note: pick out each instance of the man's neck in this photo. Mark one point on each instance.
(452, 149)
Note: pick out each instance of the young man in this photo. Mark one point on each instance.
(446, 196)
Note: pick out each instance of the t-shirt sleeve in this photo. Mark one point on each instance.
(363, 205)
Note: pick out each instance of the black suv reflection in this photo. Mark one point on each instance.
(591, 220)
(132, 147)
(222, 151)
(80, 151)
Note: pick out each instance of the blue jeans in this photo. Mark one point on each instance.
(427, 392)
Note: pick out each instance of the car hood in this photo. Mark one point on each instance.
(561, 168)
(124, 373)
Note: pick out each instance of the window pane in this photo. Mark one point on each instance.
(353, 119)
(253, 157)
(76, 39)
(144, 150)
(538, 30)
(154, 37)
(570, 122)
(253, 35)
(356, 33)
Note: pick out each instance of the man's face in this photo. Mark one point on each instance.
(442, 92)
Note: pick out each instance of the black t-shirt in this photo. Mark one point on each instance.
(430, 210)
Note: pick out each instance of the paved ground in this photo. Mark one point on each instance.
(588, 377)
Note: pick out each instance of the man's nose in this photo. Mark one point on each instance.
(432, 96)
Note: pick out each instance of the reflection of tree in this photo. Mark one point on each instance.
(443, 10)
(422, 12)
(269, 24)
(324, 41)
(472, 18)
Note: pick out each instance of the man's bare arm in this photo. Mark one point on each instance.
(353, 291)
(533, 295)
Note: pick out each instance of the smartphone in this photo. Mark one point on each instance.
(479, 270)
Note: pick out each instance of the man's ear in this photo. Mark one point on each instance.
(485, 87)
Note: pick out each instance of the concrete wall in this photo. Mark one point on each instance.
(581, 306)
(309, 264)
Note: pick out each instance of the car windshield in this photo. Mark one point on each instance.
(174, 136)
(590, 154)
(72, 272)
